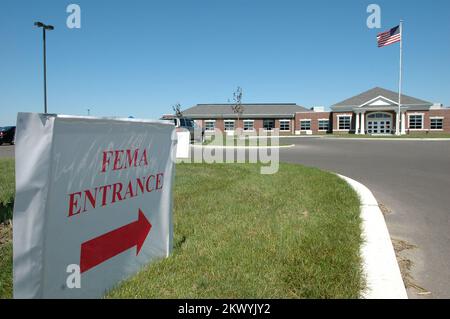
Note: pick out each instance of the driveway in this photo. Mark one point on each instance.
(410, 178)
(6, 150)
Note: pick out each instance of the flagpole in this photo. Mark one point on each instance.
(399, 130)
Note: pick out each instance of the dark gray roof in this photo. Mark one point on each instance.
(262, 110)
(376, 92)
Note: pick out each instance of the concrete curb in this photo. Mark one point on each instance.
(394, 139)
(242, 147)
(282, 136)
(325, 137)
(383, 277)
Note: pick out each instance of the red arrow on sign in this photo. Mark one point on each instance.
(104, 247)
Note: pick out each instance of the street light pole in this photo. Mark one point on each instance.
(45, 73)
(44, 28)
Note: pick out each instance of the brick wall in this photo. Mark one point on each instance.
(314, 117)
(257, 124)
(445, 113)
(427, 115)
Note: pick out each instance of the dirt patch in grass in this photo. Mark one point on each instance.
(5, 233)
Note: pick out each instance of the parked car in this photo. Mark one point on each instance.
(8, 135)
(186, 123)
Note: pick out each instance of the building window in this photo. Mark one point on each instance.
(416, 121)
(187, 123)
(210, 125)
(437, 123)
(305, 125)
(248, 125)
(269, 125)
(285, 125)
(344, 122)
(229, 125)
(379, 116)
(324, 125)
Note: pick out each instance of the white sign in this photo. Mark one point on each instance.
(93, 202)
(184, 142)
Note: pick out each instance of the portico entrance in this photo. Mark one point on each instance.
(379, 123)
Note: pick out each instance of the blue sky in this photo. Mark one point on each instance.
(140, 57)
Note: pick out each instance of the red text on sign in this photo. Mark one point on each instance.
(123, 159)
(81, 202)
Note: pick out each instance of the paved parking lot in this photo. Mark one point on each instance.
(412, 179)
(6, 150)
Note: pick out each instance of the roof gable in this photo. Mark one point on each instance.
(380, 93)
(379, 101)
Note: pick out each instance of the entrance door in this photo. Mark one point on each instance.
(379, 123)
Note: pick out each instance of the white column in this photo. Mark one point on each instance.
(357, 124)
(403, 125)
(363, 123)
(397, 123)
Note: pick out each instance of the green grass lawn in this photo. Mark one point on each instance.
(410, 135)
(7, 188)
(240, 234)
(6, 284)
(244, 141)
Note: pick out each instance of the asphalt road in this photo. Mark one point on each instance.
(412, 179)
(6, 150)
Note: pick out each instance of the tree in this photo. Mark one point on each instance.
(177, 110)
(237, 107)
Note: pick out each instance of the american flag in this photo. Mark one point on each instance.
(389, 37)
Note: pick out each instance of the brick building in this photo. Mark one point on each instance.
(371, 112)
(376, 111)
(254, 117)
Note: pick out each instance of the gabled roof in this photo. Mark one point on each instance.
(276, 110)
(372, 94)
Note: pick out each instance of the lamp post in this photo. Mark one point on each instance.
(44, 28)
